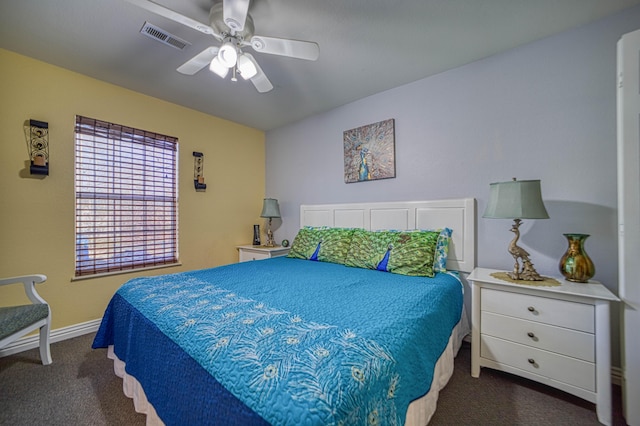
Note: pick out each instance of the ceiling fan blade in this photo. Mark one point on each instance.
(175, 16)
(199, 61)
(235, 13)
(260, 81)
(307, 50)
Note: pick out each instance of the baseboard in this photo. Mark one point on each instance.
(57, 335)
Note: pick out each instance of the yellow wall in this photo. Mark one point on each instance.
(37, 214)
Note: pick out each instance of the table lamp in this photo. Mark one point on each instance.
(517, 199)
(270, 209)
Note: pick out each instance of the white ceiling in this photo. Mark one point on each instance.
(366, 46)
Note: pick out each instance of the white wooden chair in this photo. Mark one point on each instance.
(16, 321)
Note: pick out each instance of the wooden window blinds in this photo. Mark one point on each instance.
(126, 198)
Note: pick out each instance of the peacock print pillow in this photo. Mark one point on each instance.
(399, 252)
(322, 244)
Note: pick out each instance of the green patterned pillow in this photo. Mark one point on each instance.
(305, 243)
(398, 252)
(322, 244)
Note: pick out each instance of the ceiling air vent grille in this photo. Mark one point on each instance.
(162, 36)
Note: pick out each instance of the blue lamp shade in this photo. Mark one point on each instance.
(516, 199)
(270, 208)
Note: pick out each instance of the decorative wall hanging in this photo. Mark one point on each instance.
(369, 152)
(39, 147)
(198, 171)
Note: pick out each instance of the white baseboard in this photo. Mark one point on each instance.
(57, 335)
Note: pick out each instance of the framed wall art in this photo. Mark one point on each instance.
(369, 152)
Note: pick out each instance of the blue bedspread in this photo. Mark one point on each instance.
(295, 342)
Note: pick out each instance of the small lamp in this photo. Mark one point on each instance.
(270, 209)
(517, 199)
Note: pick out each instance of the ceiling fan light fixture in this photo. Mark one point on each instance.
(231, 24)
(228, 55)
(246, 67)
(217, 67)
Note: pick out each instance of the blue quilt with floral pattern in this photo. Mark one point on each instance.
(295, 342)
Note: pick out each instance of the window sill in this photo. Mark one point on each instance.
(128, 271)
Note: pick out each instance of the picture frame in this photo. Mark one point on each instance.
(369, 152)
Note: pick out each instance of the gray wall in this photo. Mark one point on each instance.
(544, 111)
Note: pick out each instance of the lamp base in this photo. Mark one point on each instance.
(525, 276)
(270, 241)
(526, 271)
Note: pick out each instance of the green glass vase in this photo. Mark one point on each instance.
(576, 265)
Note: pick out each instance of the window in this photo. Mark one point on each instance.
(126, 198)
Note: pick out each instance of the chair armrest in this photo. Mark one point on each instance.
(29, 282)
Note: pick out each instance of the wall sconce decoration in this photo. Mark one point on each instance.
(198, 172)
(39, 147)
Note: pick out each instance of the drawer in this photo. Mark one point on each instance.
(557, 367)
(561, 313)
(246, 255)
(565, 341)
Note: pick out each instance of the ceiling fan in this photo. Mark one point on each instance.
(231, 24)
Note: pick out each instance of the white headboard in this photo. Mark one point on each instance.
(457, 214)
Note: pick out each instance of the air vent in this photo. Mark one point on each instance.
(162, 36)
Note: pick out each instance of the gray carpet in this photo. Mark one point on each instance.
(79, 388)
(497, 398)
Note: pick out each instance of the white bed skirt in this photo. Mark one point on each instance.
(419, 412)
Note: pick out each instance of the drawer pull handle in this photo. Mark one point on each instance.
(531, 309)
(531, 361)
(530, 334)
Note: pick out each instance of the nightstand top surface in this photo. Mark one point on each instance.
(592, 289)
(262, 248)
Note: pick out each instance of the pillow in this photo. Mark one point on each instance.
(442, 249)
(305, 243)
(399, 252)
(322, 244)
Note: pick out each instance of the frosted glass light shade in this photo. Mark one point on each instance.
(270, 208)
(218, 68)
(228, 55)
(246, 67)
(516, 199)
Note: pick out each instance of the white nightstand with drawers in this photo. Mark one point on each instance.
(558, 336)
(246, 253)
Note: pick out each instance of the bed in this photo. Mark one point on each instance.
(290, 341)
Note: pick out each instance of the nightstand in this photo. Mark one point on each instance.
(558, 336)
(246, 253)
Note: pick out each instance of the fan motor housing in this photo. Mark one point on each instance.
(216, 20)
